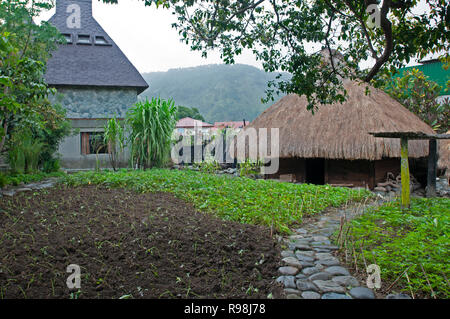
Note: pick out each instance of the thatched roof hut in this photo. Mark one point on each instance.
(341, 131)
(444, 156)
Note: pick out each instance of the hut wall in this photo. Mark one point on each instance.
(417, 167)
(384, 166)
(357, 173)
(290, 169)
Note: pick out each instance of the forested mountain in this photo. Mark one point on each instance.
(220, 92)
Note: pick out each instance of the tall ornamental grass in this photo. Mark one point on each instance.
(151, 124)
(114, 138)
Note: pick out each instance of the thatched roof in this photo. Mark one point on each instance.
(341, 131)
(444, 155)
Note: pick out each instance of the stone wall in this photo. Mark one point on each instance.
(95, 102)
(84, 105)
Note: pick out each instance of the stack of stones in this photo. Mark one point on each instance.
(11, 191)
(311, 271)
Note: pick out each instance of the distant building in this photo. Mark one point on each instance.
(231, 124)
(95, 78)
(189, 125)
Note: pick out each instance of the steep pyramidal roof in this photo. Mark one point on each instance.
(91, 58)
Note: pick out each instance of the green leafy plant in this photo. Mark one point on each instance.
(3, 180)
(17, 178)
(24, 49)
(413, 242)
(115, 139)
(24, 152)
(151, 124)
(264, 202)
(209, 167)
(249, 167)
(418, 93)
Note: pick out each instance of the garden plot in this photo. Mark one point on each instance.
(128, 245)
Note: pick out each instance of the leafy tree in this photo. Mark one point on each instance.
(192, 112)
(303, 37)
(418, 93)
(24, 50)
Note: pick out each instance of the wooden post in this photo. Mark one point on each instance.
(405, 173)
(431, 176)
(224, 145)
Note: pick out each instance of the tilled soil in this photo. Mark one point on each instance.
(150, 245)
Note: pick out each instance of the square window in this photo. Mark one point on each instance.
(93, 143)
(100, 40)
(84, 39)
(68, 38)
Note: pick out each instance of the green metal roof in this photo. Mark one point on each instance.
(435, 72)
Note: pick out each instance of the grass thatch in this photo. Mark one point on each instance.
(340, 131)
(444, 155)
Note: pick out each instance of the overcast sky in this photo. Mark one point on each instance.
(146, 37)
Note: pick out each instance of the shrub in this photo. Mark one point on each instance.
(3, 180)
(24, 152)
(114, 138)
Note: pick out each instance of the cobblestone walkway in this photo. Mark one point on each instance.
(311, 269)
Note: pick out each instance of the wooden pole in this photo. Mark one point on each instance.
(431, 176)
(405, 173)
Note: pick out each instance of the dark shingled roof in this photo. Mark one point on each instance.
(94, 64)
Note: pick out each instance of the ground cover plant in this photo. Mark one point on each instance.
(411, 247)
(264, 202)
(17, 179)
(129, 245)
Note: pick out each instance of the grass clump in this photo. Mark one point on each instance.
(17, 179)
(264, 202)
(398, 240)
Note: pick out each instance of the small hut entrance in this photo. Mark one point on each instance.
(315, 171)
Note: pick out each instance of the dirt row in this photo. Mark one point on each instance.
(129, 245)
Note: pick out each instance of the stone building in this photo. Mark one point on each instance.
(94, 79)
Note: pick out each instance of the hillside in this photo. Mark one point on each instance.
(220, 92)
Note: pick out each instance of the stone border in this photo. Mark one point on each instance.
(47, 183)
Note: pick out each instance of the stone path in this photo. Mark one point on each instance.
(11, 191)
(311, 270)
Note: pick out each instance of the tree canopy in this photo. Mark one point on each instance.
(319, 42)
(192, 112)
(24, 50)
(219, 92)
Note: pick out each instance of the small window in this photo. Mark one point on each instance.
(100, 40)
(84, 39)
(93, 143)
(68, 38)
